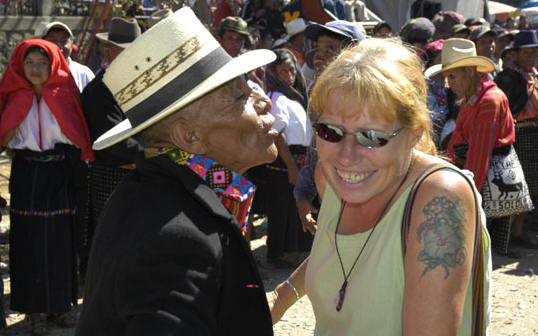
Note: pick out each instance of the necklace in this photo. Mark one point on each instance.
(339, 301)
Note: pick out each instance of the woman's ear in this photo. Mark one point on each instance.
(184, 134)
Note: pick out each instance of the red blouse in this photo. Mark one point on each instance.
(484, 122)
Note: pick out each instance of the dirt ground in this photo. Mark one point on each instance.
(514, 288)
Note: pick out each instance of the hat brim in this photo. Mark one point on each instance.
(104, 37)
(236, 67)
(482, 64)
(314, 30)
(527, 46)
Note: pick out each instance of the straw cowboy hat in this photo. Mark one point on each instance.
(121, 32)
(169, 66)
(459, 53)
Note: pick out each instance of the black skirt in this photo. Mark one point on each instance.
(526, 147)
(284, 228)
(41, 254)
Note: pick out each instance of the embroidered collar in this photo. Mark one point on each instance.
(234, 191)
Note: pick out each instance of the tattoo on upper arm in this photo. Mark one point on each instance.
(442, 235)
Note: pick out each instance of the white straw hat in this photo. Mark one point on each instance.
(169, 66)
(459, 53)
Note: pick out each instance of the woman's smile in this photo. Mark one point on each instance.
(351, 177)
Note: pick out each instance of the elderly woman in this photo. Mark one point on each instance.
(374, 269)
(169, 257)
(42, 123)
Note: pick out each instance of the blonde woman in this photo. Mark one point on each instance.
(375, 269)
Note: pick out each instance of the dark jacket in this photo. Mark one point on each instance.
(515, 88)
(169, 259)
(102, 113)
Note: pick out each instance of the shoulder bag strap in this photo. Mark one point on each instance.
(479, 326)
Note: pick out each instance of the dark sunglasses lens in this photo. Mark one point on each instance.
(371, 139)
(327, 133)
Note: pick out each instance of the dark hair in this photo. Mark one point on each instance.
(381, 25)
(346, 41)
(38, 49)
(283, 55)
(59, 29)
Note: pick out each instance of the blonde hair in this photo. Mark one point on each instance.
(384, 75)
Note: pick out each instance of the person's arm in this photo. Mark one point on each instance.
(482, 139)
(439, 256)
(286, 294)
(305, 191)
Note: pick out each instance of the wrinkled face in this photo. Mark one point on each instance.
(526, 58)
(36, 69)
(236, 127)
(460, 81)
(485, 46)
(62, 39)
(232, 42)
(359, 174)
(327, 49)
(286, 72)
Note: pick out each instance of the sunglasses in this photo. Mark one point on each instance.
(365, 138)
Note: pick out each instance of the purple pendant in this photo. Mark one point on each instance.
(341, 296)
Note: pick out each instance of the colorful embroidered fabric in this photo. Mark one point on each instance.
(436, 101)
(50, 213)
(531, 109)
(46, 158)
(234, 191)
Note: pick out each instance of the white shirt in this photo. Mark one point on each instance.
(291, 118)
(81, 73)
(39, 131)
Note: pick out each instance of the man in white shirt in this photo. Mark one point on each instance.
(59, 33)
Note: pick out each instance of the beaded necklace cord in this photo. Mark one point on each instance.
(342, 292)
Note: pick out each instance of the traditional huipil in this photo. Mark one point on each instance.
(43, 134)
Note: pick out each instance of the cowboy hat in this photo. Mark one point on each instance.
(459, 53)
(171, 65)
(524, 39)
(121, 32)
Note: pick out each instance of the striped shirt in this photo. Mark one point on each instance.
(484, 122)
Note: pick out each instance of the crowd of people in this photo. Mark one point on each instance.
(387, 162)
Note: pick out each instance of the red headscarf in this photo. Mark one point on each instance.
(59, 91)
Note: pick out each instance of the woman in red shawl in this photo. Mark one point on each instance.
(42, 124)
